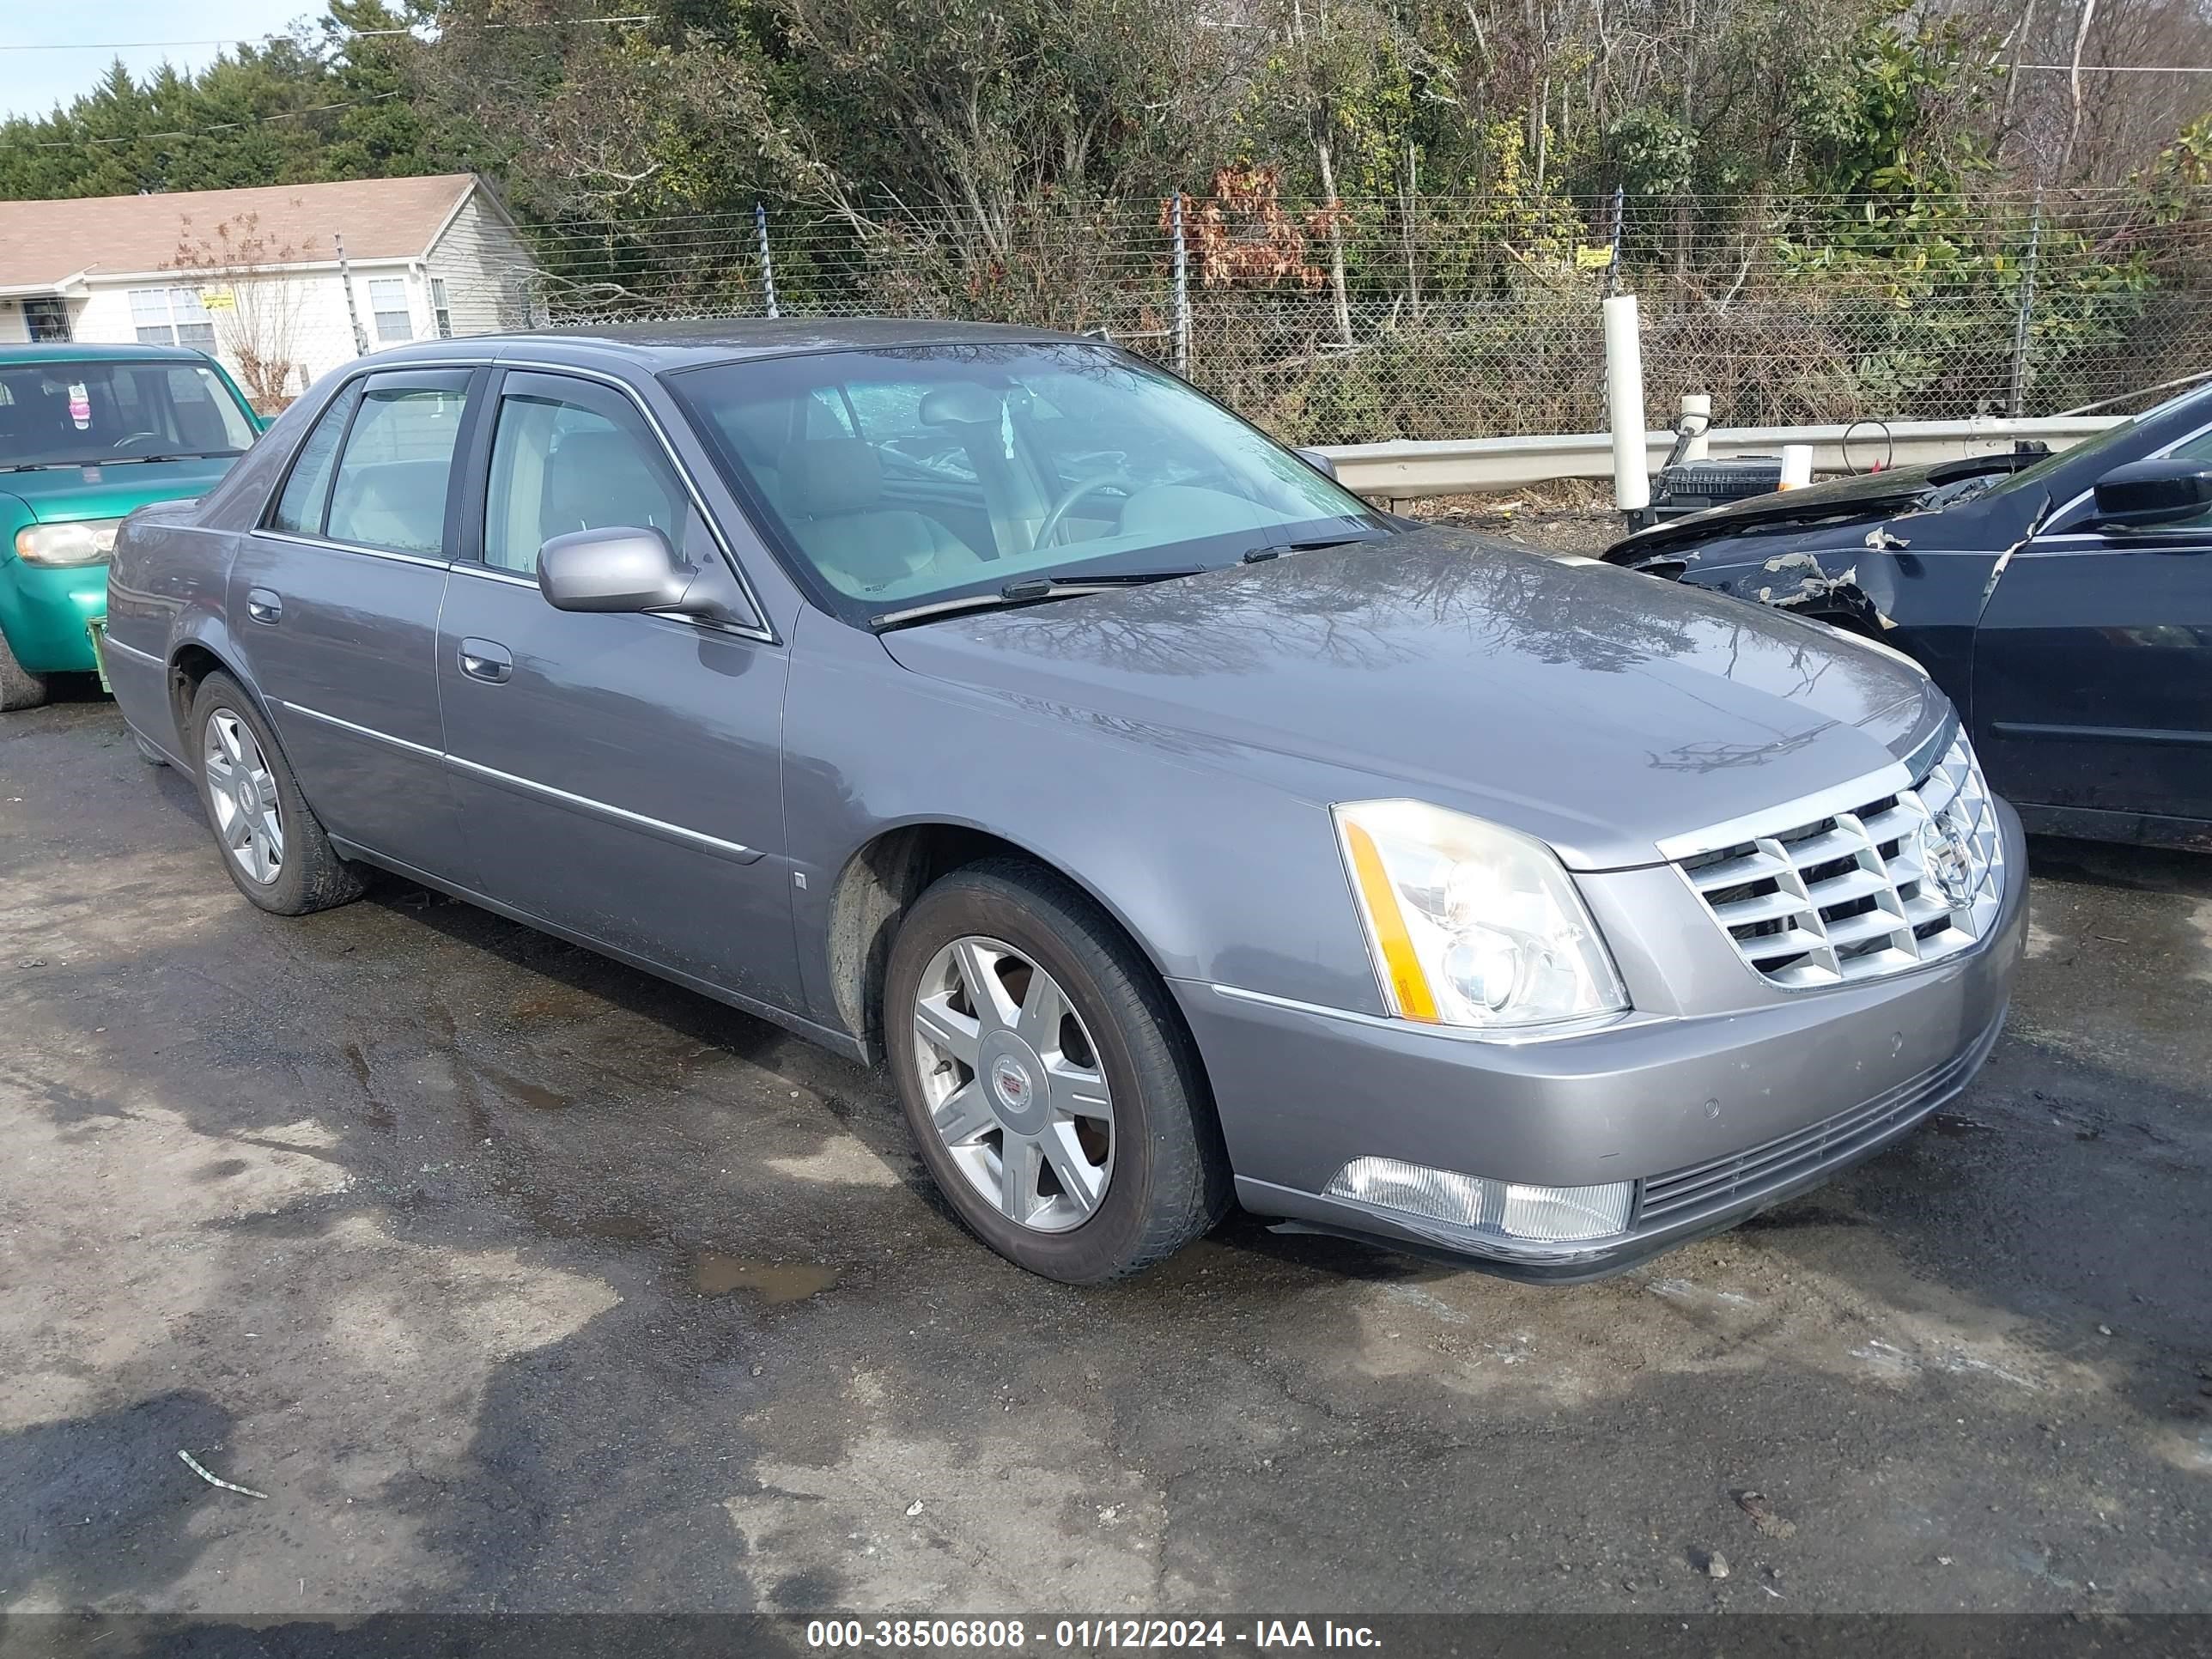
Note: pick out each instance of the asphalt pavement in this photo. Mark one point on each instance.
(515, 1279)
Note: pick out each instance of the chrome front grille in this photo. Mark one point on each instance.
(1892, 883)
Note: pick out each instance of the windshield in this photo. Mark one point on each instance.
(900, 477)
(2029, 476)
(86, 414)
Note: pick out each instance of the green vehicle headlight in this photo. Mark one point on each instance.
(80, 541)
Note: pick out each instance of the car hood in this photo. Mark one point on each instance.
(1591, 706)
(1868, 495)
(53, 494)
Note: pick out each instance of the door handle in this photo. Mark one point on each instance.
(264, 605)
(487, 660)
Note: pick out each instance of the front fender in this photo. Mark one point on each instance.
(1217, 876)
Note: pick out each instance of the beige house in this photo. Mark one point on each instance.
(283, 282)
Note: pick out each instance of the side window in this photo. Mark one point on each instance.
(300, 509)
(390, 491)
(890, 414)
(127, 400)
(826, 416)
(195, 417)
(559, 466)
(886, 409)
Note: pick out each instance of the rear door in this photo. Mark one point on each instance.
(618, 776)
(334, 603)
(2093, 667)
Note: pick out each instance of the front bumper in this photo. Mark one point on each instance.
(1714, 1116)
(44, 610)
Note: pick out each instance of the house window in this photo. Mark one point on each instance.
(442, 311)
(387, 298)
(171, 316)
(46, 318)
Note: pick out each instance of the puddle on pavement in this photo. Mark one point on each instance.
(772, 1281)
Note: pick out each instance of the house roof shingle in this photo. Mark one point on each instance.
(43, 243)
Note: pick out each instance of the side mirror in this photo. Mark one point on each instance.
(2154, 492)
(623, 568)
(1319, 462)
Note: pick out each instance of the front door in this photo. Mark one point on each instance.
(334, 604)
(617, 775)
(2093, 667)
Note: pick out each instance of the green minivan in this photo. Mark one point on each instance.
(88, 433)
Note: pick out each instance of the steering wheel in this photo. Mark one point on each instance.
(1074, 493)
(133, 440)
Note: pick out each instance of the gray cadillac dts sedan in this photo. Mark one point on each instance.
(1174, 826)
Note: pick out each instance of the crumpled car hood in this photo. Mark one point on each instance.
(1586, 705)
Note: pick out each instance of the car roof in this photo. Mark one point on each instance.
(664, 346)
(87, 351)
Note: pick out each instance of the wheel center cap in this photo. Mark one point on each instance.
(249, 798)
(1010, 1082)
(1015, 1078)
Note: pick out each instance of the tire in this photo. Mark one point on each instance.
(1158, 1150)
(18, 687)
(305, 875)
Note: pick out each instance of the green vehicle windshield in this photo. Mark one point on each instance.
(94, 413)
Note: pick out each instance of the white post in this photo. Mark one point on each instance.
(1695, 420)
(1624, 389)
(1796, 466)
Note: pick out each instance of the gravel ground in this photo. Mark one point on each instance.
(519, 1280)
(1557, 521)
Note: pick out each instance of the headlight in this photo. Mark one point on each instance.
(1472, 924)
(82, 541)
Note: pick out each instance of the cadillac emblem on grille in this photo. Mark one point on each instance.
(1947, 857)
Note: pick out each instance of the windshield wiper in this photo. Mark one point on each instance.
(181, 455)
(118, 460)
(1028, 591)
(1276, 550)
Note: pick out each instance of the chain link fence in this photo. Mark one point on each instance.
(1454, 317)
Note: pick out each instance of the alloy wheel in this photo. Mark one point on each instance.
(1013, 1083)
(248, 815)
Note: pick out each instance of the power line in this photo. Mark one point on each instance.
(259, 40)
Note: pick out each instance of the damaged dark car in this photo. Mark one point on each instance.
(2063, 602)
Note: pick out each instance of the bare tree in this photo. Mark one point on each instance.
(247, 283)
(2073, 89)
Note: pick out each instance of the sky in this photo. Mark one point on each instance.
(32, 82)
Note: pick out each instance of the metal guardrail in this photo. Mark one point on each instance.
(1408, 471)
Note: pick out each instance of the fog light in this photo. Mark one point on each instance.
(1506, 1208)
